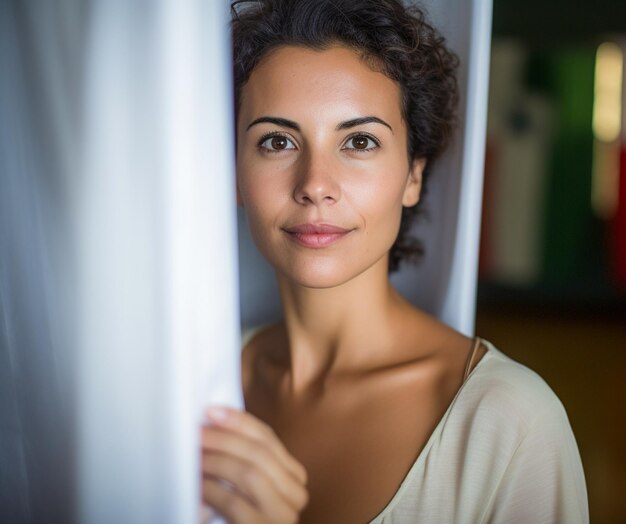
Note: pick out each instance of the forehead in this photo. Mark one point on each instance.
(334, 82)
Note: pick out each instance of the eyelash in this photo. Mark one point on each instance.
(364, 135)
(273, 134)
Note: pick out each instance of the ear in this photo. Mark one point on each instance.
(413, 186)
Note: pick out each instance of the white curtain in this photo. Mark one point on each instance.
(158, 303)
(118, 268)
(40, 46)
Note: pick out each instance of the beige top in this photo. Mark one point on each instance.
(503, 452)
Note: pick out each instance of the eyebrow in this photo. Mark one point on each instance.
(362, 120)
(282, 122)
(290, 124)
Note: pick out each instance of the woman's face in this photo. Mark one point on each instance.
(322, 167)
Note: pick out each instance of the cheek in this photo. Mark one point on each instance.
(262, 181)
(260, 208)
(256, 186)
(263, 201)
(379, 202)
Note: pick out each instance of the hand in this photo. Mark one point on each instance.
(248, 476)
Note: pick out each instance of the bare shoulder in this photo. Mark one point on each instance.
(262, 347)
(451, 351)
(438, 338)
(261, 341)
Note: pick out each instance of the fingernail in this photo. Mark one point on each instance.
(217, 414)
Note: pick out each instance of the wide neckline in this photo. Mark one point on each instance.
(248, 335)
(433, 436)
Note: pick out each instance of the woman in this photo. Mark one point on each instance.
(359, 407)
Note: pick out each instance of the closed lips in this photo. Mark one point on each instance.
(316, 229)
(316, 235)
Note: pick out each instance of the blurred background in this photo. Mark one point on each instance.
(552, 284)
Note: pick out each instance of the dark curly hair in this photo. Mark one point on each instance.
(392, 38)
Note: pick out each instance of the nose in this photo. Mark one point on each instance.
(317, 182)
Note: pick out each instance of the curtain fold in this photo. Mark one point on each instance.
(119, 317)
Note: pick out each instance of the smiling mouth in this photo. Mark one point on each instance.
(316, 235)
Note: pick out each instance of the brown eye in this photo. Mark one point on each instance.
(279, 142)
(361, 143)
(276, 143)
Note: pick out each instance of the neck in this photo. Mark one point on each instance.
(337, 329)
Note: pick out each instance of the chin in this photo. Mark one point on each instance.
(316, 274)
(317, 281)
(322, 274)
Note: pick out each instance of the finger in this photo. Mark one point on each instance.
(256, 429)
(252, 482)
(221, 440)
(228, 503)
